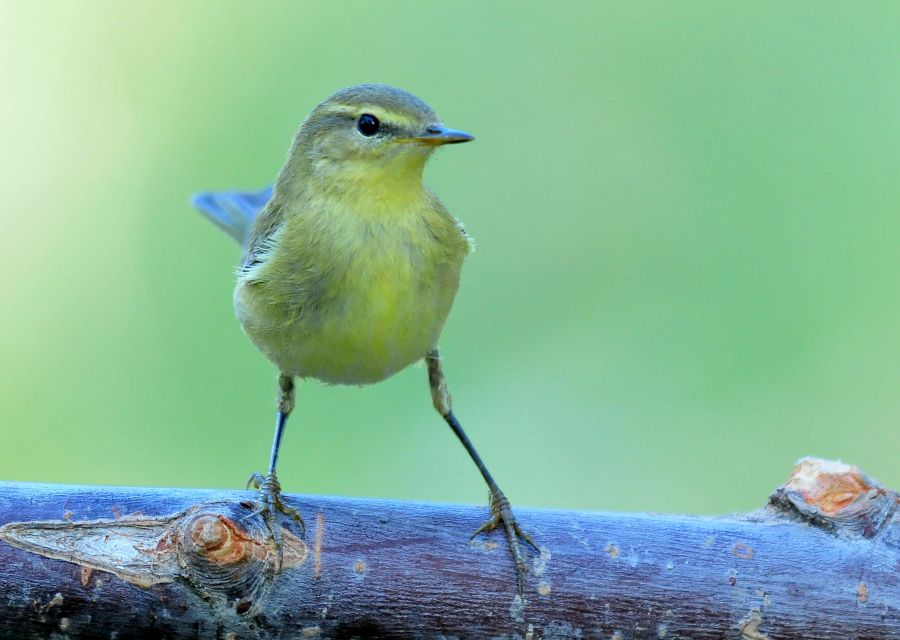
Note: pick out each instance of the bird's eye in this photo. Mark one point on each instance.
(368, 124)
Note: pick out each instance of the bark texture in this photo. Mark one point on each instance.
(820, 561)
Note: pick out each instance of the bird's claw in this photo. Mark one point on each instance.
(501, 514)
(271, 505)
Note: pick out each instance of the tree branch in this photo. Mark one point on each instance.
(820, 561)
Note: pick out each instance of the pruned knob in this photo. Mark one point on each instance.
(837, 497)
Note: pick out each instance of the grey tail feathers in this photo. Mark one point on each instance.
(233, 211)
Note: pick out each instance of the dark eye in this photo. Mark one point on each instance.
(368, 124)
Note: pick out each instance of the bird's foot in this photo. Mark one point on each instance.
(271, 505)
(501, 514)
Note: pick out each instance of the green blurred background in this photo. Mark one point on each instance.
(687, 268)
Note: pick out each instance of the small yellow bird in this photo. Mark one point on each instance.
(352, 264)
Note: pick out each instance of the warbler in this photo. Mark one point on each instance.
(351, 264)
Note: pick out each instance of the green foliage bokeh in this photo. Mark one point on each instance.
(687, 225)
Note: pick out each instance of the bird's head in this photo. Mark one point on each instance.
(368, 134)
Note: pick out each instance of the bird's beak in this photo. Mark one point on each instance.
(438, 134)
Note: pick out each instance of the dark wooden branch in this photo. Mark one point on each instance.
(821, 561)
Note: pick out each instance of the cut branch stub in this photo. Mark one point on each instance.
(836, 497)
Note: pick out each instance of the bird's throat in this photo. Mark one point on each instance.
(366, 186)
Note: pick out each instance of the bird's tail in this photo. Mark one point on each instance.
(233, 211)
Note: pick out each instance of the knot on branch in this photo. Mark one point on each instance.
(836, 497)
(224, 550)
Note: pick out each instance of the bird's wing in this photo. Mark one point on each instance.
(233, 211)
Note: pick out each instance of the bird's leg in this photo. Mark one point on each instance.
(268, 485)
(501, 512)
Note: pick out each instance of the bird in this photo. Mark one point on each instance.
(351, 265)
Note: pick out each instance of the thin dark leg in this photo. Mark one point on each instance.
(268, 485)
(501, 511)
(280, 421)
(285, 406)
(458, 430)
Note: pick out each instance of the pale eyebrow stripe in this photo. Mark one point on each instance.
(397, 120)
(339, 109)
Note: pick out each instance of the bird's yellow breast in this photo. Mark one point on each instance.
(352, 294)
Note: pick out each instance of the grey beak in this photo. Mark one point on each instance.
(438, 134)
